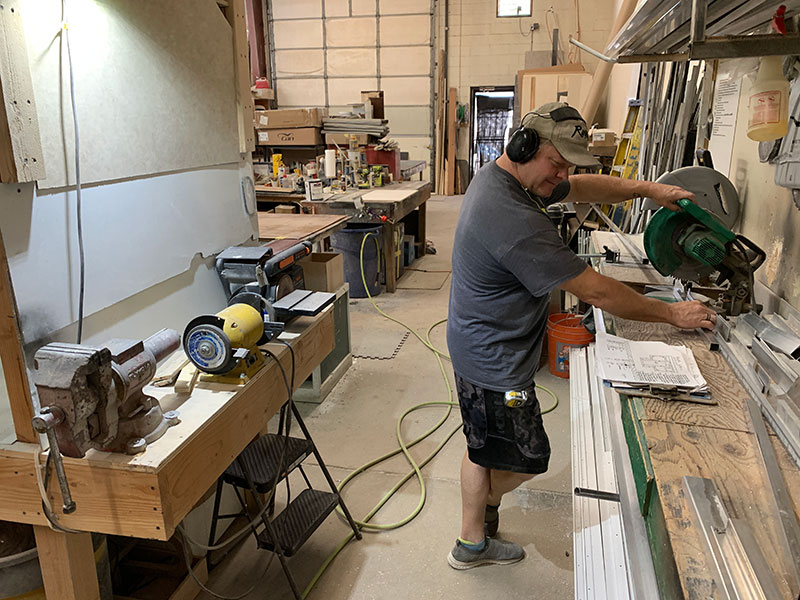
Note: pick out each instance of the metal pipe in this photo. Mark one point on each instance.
(592, 51)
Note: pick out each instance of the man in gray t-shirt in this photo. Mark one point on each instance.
(507, 258)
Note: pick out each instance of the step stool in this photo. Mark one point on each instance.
(259, 468)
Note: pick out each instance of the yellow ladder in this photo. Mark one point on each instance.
(626, 158)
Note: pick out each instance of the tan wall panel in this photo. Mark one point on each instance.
(298, 34)
(409, 120)
(301, 92)
(351, 32)
(405, 30)
(415, 60)
(296, 9)
(337, 8)
(402, 91)
(394, 7)
(348, 91)
(352, 62)
(299, 62)
(363, 7)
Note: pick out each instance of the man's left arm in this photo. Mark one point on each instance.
(605, 189)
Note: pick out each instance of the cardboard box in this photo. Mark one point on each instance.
(603, 137)
(263, 93)
(285, 118)
(376, 99)
(300, 136)
(343, 139)
(323, 271)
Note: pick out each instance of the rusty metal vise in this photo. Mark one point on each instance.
(93, 398)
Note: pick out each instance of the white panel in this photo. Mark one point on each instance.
(402, 91)
(298, 34)
(348, 91)
(300, 92)
(337, 8)
(394, 7)
(299, 62)
(352, 62)
(405, 31)
(154, 83)
(415, 60)
(409, 120)
(351, 32)
(137, 233)
(296, 9)
(363, 7)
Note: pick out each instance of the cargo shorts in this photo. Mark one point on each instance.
(500, 437)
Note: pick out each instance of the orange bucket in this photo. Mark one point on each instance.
(564, 331)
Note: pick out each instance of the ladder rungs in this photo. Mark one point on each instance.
(299, 520)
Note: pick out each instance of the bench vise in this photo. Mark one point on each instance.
(92, 397)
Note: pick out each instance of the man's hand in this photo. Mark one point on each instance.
(690, 315)
(668, 195)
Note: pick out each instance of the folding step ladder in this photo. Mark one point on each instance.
(259, 469)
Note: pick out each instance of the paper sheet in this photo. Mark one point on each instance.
(625, 362)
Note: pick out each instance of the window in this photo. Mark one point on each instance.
(514, 8)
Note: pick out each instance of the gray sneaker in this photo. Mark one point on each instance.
(496, 552)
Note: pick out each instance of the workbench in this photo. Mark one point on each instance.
(147, 495)
(301, 227)
(667, 440)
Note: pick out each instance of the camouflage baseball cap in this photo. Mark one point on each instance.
(564, 127)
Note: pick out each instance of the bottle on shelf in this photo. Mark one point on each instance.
(769, 102)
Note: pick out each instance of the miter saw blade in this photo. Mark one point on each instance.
(712, 190)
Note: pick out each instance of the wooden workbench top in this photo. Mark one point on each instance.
(146, 495)
(273, 226)
(716, 442)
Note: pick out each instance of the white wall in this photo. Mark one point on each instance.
(769, 217)
(149, 240)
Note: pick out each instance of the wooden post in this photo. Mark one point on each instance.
(452, 132)
(67, 563)
(603, 71)
(21, 156)
(235, 13)
(12, 357)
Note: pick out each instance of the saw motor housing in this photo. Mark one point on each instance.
(692, 244)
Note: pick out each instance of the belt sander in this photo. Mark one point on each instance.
(264, 287)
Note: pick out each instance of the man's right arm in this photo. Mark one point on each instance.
(617, 298)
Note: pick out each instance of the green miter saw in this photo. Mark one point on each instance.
(694, 245)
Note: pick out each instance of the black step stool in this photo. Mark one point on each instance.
(256, 468)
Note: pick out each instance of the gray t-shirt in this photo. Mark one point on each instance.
(507, 257)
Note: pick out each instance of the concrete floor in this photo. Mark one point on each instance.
(357, 422)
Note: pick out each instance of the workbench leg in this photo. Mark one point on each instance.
(421, 225)
(388, 253)
(67, 563)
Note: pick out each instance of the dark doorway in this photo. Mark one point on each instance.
(492, 113)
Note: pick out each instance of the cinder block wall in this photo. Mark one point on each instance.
(487, 50)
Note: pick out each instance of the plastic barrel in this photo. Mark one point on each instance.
(348, 243)
(564, 331)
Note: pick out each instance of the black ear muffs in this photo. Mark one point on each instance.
(522, 145)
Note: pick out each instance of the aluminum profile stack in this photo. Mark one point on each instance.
(611, 553)
(664, 26)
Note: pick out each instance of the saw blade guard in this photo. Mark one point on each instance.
(688, 244)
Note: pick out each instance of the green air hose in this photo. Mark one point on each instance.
(403, 445)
